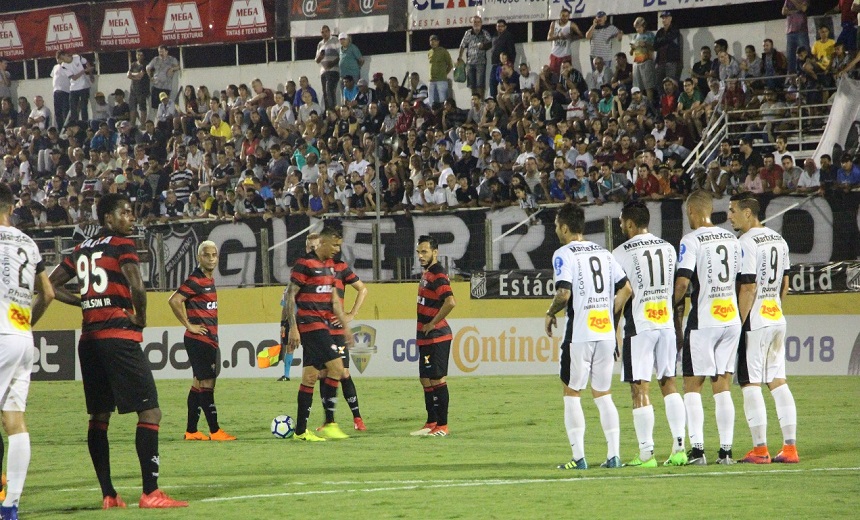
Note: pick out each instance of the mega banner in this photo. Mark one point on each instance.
(305, 18)
(41, 33)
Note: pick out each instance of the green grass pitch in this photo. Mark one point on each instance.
(507, 437)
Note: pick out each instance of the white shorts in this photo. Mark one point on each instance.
(16, 365)
(646, 352)
(710, 352)
(594, 359)
(761, 355)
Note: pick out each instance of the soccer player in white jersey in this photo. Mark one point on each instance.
(763, 281)
(24, 275)
(649, 333)
(709, 259)
(593, 288)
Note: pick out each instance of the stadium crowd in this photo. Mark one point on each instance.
(542, 133)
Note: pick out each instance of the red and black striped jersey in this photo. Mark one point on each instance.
(201, 305)
(105, 291)
(343, 276)
(432, 291)
(315, 280)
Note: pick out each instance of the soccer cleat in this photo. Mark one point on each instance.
(428, 427)
(221, 435)
(757, 456)
(788, 455)
(112, 502)
(574, 464)
(696, 458)
(196, 436)
(9, 513)
(724, 457)
(614, 462)
(637, 462)
(679, 458)
(283, 378)
(158, 500)
(439, 431)
(308, 436)
(332, 431)
(358, 424)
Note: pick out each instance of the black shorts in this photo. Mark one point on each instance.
(203, 358)
(137, 101)
(319, 348)
(340, 343)
(117, 376)
(433, 362)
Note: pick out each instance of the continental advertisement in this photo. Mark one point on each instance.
(503, 337)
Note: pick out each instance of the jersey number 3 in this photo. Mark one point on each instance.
(91, 275)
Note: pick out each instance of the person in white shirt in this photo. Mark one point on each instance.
(62, 83)
(649, 334)
(709, 258)
(79, 89)
(593, 288)
(40, 114)
(528, 79)
(359, 164)
(599, 76)
(810, 178)
(435, 198)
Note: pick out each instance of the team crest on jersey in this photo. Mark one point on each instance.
(723, 310)
(178, 253)
(478, 285)
(19, 317)
(599, 321)
(681, 251)
(770, 310)
(557, 263)
(657, 312)
(364, 337)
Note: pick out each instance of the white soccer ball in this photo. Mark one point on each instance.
(283, 426)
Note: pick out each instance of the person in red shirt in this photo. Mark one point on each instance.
(669, 98)
(771, 173)
(647, 185)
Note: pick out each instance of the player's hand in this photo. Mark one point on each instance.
(348, 339)
(135, 319)
(616, 353)
(293, 340)
(197, 329)
(549, 324)
(427, 328)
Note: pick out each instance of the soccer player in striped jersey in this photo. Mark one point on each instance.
(195, 305)
(763, 283)
(311, 243)
(649, 333)
(343, 276)
(24, 275)
(311, 302)
(115, 371)
(709, 259)
(433, 336)
(593, 288)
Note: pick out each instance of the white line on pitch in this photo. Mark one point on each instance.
(502, 482)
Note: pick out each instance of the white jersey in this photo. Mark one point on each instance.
(20, 262)
(649, 263)
(592, 275)
(561, 48)
(710, 257)
(764, 261)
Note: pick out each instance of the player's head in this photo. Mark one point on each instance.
(7, 201)
(700, 205)
(635, 218)
(114, 212)
(743, 211)
(427, 251)
(570, 220)
(330, 242)
(311, 242)
(207, 256)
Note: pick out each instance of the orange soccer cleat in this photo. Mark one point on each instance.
(112, 502)
(221, 435)
(196, 436)
(158, 500)
(788, 455)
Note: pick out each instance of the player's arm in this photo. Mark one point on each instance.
(559, 301)
(337, 307)
(44, 297)
(294, 339)
(359, 286)
(177, 305)
(448, 305)
(131, 270)
(59, 277)
(746, 298)
(622, 294)
(783, 291)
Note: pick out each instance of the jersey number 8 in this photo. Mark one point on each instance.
(87, 269)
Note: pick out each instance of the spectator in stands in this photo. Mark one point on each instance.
(328, 56)
(701, 71)
(62, 82)
(667, 44)
(774, 63)
(751, 65)
(622, 74)
(121, 111)
(790, 176)
(40, 115)
(642, 50)
(502, 44)
(475, 41)
(729, 66)
(165, 112)
(771, 174)
(350, 58)
(669, 97)
(600, 74)
(440, 66)
(101, 111)
(600, 34)
(810, 178)
(848, 176)
(138, 91)
(5, 80)
(796, 30)
(81, 76)
(824, 47)
(161, 70)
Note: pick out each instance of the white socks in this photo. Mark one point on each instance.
(611, 424)
(725, 412)
(786, 412)
(756, 414)
(574, 424)
(643, 423)
(676, 416)
(695, 419)
(16, 467)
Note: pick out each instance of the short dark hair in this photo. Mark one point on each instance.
(573, 216)
(637, 212)
(747, 201)
(330, 232)
(434, 245)
(108, 204)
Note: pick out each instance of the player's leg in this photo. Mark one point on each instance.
(751, 353)
(350, 394)
(310, 375)
(573, 382)
(786, 411)
(327, 356)
(697, 362)
(725, 359)
(203, 364)
(425, 371)
(192, 403)
(602, 360)
(16, 365)
(639, 350)
(439, 358)
(665, 360)
(286, 356)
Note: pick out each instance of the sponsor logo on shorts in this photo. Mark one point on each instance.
(723, 310)
(19, 317)
(657, 312)
(599, 321)
(770, 310)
